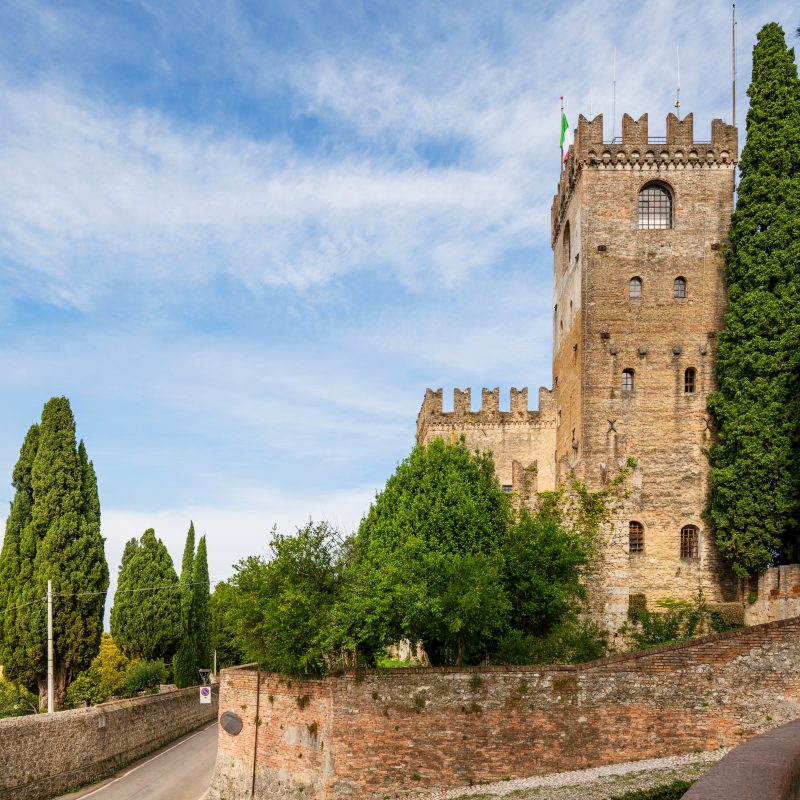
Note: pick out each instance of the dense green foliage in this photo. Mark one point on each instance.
(201, 615)
(146, 616)
(442, 558)
(754, 503)
(52, 532)
(104, 679)
(283, 606)
(144, 676)
(184, 663)
(224, 630)
(16, 700)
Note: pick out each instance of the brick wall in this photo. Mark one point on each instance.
(392, 733)
(46, 755)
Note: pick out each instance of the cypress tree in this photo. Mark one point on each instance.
(754, 501)
(201, 618)
(146, 616)
(184, 665)
(53, 532)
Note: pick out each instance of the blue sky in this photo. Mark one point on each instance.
(243, 237)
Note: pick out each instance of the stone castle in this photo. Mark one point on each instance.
(638, 228)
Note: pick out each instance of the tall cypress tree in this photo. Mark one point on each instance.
(201, 618)
(184, 665)
(146, 616)
(53, 532)
(754, 502)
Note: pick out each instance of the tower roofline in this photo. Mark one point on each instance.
(637, 150)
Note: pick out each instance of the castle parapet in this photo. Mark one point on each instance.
(778, 595)
(636, 149)
(431, 413)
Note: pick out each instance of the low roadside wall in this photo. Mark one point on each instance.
(395, 733)
(767, 768)
(777, 595)
(46, 755)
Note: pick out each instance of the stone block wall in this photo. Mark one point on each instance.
(396, 733)
(778, 595)
(48, 754)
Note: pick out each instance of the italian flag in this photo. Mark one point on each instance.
(566, 137)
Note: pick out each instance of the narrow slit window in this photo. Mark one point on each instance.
(635, 537)
(679, 288)
(689, 541)
(690, 381)
(635, 288)
(655, 207)
(627, 380)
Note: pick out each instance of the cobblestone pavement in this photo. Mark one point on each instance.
(597, 783)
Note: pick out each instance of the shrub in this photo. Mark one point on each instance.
(84, 690)
(144, 676)
(16, 700)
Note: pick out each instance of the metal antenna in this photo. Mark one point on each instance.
(678, 93)
(733, 54)
(614, 97)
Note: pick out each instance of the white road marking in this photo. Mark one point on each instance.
(144, 763)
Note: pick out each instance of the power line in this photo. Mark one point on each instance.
(23, 605)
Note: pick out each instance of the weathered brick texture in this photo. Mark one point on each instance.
(46, 755)
(393, 733)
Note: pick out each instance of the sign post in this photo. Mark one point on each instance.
(205, 695)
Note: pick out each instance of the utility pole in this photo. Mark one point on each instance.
(214, 673)
(50, 686)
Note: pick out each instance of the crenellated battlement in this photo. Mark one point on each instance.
(432, 414)
(637, 150)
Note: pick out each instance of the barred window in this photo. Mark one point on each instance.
(689, 541)
(635, 288)
(635, 537)
(679, 288)
(655, 207)
(507, 488)
(690, 380)
(627, 380)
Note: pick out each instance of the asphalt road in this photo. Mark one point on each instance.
(181, 771)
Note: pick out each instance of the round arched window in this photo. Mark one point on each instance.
(679, 288)
(627, 380)
(635, 288)
(655, 207)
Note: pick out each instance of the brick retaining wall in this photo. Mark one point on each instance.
(392, 733)
(46, 755)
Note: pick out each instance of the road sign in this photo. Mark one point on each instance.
(205, 694)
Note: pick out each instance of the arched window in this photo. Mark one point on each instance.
(635, 288)
(679, 288)
(635, 537)
(689, 541)
(655, 207)
(627, 380)
(567, 245)
(690, 381)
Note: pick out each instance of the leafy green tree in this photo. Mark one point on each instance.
(201, 619)
(184, 664)
(225, 638)
(53, 532)
(435, 531)
(146, 616)
(284, 605)
(754, 501)
(105, 678)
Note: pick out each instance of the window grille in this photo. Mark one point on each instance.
(655, 207)
(690, 381)
(635, 288)
(679, 288)
(627, 380)
(507, 488)
(635, 537)
(689, 537)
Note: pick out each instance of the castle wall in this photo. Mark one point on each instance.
(519, 438)
(398, 732)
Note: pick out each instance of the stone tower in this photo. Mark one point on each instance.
(638, 229)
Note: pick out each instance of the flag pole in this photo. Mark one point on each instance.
(561, 117)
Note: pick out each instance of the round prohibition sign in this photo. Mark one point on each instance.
(205, 691)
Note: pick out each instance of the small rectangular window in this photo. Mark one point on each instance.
(635, 537)
(507, 488)
(689, 546)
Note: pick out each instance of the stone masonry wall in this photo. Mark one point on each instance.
(777, 596)
(395, 733)
(48, 754)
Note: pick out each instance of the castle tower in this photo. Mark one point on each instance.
(638, 229)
